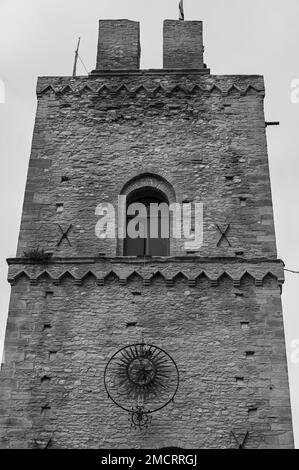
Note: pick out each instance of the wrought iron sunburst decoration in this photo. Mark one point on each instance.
(141, 379)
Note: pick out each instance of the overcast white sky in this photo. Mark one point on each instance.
(38, 37)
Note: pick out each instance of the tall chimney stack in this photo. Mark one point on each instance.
(183, 45)
(118, 45)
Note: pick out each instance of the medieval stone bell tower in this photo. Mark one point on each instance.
(80, 304)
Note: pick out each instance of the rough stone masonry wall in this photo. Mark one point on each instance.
(205, 135)
(226, 337)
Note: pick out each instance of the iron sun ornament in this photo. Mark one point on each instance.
(141, 379)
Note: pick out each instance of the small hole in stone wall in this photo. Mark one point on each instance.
(102, 255)
(243, 201)
(64, 179)
(49, 253)
(45, 408)
(252, 411)
(59, 207)
(136, 292)
(49, 294)
(52, 354)
(229, 178)
(245, 325)
(47, 326)
(239, 253)
(45, 378)
(187, 201)
(131, 324)
(250, 354)
(239, 295)
(240, 381)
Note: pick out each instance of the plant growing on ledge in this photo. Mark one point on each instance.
(38, 255)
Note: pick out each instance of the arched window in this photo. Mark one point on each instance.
(152, 223)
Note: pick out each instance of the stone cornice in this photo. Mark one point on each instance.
(151, 83)
(190, 268)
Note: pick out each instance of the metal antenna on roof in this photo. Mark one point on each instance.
(76, 58)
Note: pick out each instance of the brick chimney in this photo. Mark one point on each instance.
(183, 45)
(118, 45)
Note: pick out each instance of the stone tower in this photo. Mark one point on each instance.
(178, 135)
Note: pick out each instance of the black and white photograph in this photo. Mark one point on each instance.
(149, 242)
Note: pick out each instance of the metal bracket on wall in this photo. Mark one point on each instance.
(241, 445)
(223, 232)
(272, 123)
(64, 235)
